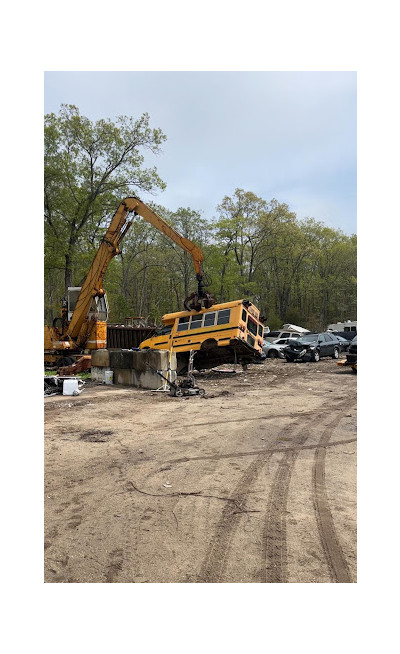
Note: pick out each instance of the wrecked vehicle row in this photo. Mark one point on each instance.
(307, 346)
(312, 347)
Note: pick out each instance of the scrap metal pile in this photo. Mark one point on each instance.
(55, 385)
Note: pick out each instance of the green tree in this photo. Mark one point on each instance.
(247, 231)
(238, 231)
(325, 282)
(89, 167)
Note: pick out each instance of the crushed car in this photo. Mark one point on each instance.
(311, 347)
(275, 349)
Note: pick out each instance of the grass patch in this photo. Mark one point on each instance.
(85, 375)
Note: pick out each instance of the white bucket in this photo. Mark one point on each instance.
(70, 387)
(109, 376)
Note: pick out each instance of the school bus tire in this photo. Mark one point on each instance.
(209, 344)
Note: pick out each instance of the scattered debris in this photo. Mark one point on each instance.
(54, 385)
(71, 386)
(84, 363)
(186, 387)
(239, 505)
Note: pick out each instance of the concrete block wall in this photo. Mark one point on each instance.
(132, 367)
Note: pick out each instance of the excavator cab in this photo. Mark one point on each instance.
(98, 306)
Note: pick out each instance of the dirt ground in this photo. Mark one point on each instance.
(255, 482)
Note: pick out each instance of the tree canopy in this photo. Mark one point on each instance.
(298, 271)
(88, 167)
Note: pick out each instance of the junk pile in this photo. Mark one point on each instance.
(185, 387)
(54, 385)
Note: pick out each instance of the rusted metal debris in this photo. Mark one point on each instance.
(83, 363)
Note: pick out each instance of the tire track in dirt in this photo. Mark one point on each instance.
(114, 566)
(275, 542)
(270, 450)
(119, 563)
(236, 421)
(337, 564)
(215, 562)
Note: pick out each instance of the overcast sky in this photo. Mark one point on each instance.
(284, 135)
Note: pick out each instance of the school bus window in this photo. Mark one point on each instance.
(183, 324)
(244, 315)
(209, 319)
(196, 322)
(223, 317)
(252, 326)
(164, 330)
(260, 330)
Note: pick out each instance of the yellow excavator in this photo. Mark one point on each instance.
(82, 324)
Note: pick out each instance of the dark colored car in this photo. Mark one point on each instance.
(347, 336)
(344, 343)
(352, 354)
(312, 347)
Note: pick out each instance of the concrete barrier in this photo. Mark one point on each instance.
(132, 368)
(101, 358)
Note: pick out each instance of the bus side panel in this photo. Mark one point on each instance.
(195, 339)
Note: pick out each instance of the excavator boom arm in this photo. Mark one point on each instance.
(109, 248)
(148, 214)
(93, 284)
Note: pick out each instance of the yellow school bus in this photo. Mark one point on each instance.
(231, 332)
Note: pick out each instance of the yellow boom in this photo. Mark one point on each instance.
(109, 248)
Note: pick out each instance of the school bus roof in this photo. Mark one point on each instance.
(169, 317)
